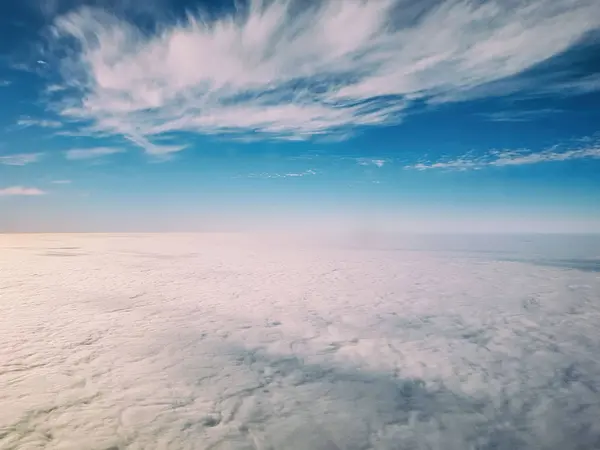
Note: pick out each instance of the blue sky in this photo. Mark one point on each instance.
(413, 116)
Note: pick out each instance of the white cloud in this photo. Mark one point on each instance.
(308, 172)
(91, 153)
(51, 89)
(61, 181)
(372, 162)
(20, 159)
(520, 116)
(505, 158)
(5, 83)
(300, 174)
(582, 85)
(20, 191)
(242, 341)
(273, 69)
(27, 122)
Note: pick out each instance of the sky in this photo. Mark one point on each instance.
(428, 116)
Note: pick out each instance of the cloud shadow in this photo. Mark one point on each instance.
(296, 404)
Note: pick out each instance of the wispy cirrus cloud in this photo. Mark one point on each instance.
(20, 159)
(5, 83)
(14, 191)
(559, 86)
(301, 174)
(504, 158)
(26, 122)
(91, 153)
(372, 162)
(61, 182)
(520, 115)
(52, 88)
(305, 173)
(283, 70)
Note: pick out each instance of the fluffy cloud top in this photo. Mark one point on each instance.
(232, 341)
(287, 71)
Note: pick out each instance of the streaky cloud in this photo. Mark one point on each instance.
(13, 191)
(520, 116)
(305, 173)
(505, 158)
(91, 153)
(20, 159)
(26, 122)
(372, 162)
(270, 71)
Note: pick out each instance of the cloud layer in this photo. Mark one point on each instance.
(286, 72)
(228, 341)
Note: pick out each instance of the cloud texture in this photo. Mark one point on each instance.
(225, 341)
(20, 159)
(504, 158)
(291, 71)
(91, 153)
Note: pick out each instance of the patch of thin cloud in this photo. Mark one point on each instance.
(80, 133)
(582, 85)
(26, 122)
(5, 83)
(372, 162)
(520, 116)
(91, 153)
(20, 159)
(504, 158)
(301, 174)
(14, 191)
(61, 181)
(308, 172)
(51, 89)
(50, 9)
(268, 70)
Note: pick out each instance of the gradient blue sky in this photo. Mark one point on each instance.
(406, 115)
